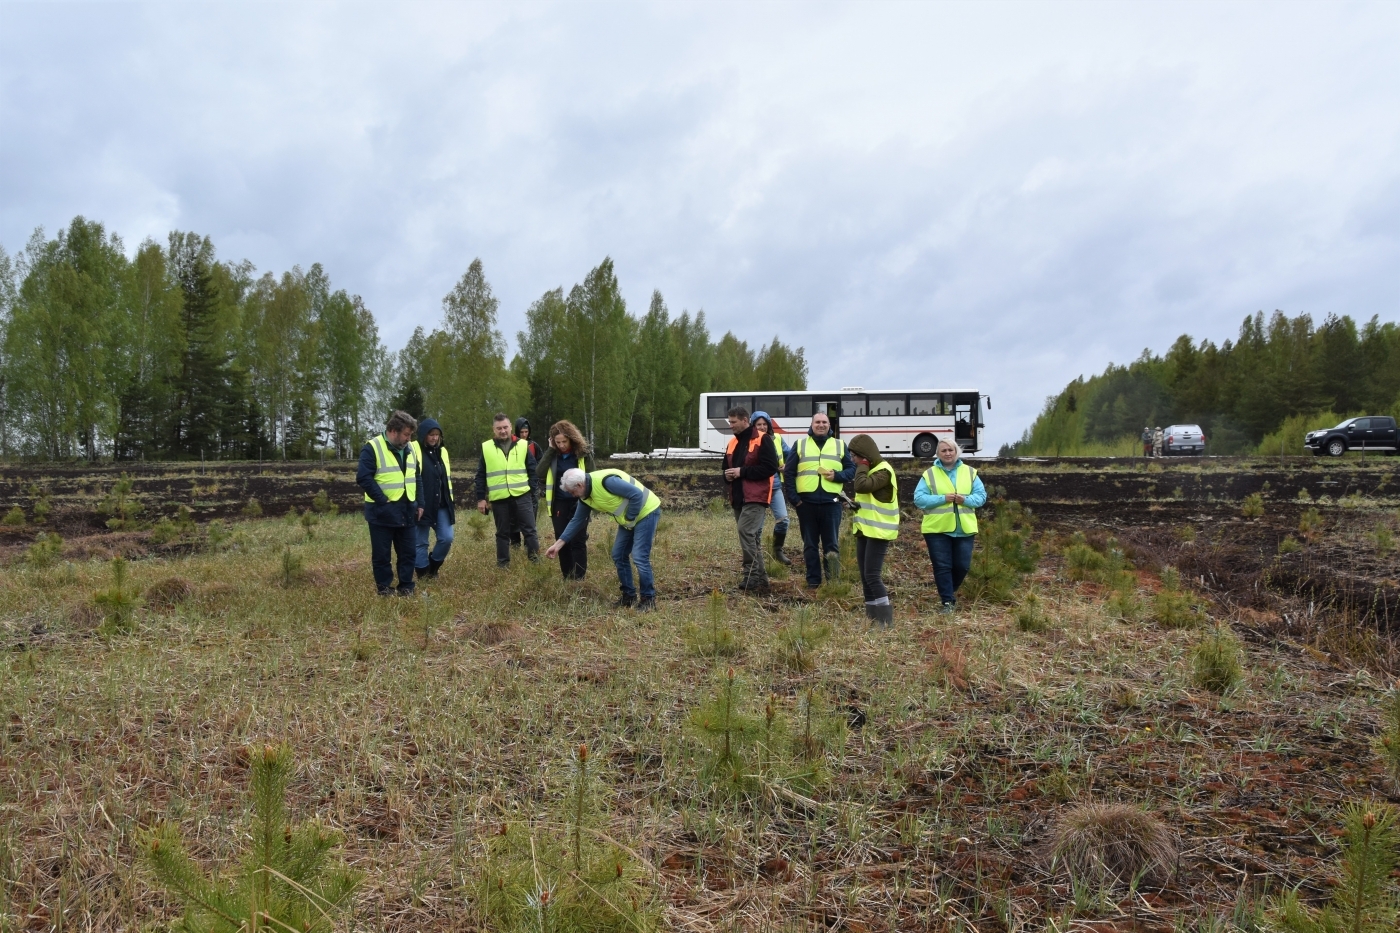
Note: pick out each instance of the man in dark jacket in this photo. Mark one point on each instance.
(388, 473)
(522, 435)
(436, 510)
(504, 490)
(749, 465)
(817, 469)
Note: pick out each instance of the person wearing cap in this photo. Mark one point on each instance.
(817, 471)
(750, 461)
(388, 474)
(764, 424)
(437, 513)
(503, 481)
(1147, 442)
(522, 434)
(567, 450)
(948, 494)
(875, 524)
(1157, 439)
(637, 511)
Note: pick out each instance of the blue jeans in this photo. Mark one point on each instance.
(952, 559)
(636, 542)
(780, 513)
(443, 527)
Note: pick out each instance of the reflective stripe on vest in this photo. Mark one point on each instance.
(878, 519)
(945, 518)
(506, 477)
(600, 500)
(393, 481)
(813, 458)
(549, 481)
(446, 465)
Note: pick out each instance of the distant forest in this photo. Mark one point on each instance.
(1258, 394)
(173, 353)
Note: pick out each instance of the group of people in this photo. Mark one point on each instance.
(1152, 441)
(407, 482)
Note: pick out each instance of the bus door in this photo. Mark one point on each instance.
(832, 407)
(965, 417)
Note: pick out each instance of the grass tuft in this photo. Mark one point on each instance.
(1217, 662)
(1114, 846)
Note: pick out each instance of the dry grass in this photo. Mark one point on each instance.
(1114, 845)
(419, 732)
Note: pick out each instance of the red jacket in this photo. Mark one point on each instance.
(757, 460)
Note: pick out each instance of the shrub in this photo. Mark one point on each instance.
(121, 505)
(1387, 744)
(286, 881)
(1289, 545)
(1216, 662)
(164, 532)
(1364, 899)
(1030, 615)
(184, 519)
(1123, 606)
(308, 523)
(14, 517)
(564, 874)
(799, 640)
(478, 523)
(1310, 524)
(322, 503)
(726, 732)
(1384, 538)
(118, 603)
(42, 508)
(1114, 846)
(293, 569)
(1253, 506)
(1173, 607)
(715, 638)
(218, 532)
(253, 509)
(45, 551)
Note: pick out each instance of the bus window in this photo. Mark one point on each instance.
(799, 406)
(775, 405)
(719, 404)
(886, 405)
(852, 406)
(925, 405)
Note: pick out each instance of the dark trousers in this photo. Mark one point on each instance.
(402, 540)
(516, 531)
(516, 511)
(573, 559)
(952, 559)
(870, 558)
(821, 534)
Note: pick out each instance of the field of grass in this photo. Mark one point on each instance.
(752, 764)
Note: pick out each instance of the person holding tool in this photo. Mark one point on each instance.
(875, 524)
(816, 472)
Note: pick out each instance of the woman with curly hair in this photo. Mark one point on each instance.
(567, 450)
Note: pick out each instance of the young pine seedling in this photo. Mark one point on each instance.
(1364, 899)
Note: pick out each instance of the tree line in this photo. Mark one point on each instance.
(174, 353)
(1259, 393)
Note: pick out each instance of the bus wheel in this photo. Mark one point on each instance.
(925, 446)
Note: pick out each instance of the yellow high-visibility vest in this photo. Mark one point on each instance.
(506, 477)
(446, 466)
(549, 480)
(878, 519)
(943, 519)
(813, 458)
(600, 500)
(393, 481)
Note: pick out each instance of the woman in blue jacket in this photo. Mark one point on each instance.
(948, 494)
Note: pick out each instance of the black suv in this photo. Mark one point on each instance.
(1374, 432)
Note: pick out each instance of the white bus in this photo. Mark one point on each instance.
(904, 422)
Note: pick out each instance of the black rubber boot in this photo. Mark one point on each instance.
(433, 567)
(778, 538)
(884, 616)
(625, 602)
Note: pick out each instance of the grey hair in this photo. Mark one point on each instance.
(573, 479)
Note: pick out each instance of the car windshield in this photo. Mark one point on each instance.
(1344, 423)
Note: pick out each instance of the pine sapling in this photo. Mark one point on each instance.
(1387, 744)
(309, 520)
(293, 569)
(726, 731)
(118, 603)
(1365, 897)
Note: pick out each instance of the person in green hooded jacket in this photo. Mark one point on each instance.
(875, 524)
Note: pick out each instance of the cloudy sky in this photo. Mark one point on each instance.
(995, 195)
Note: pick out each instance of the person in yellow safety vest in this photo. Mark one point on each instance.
(637, 511)
(567, 450)
(947, 494)
(818, 468)
(437, 510)
(388, 474)
(503, 481)
(875, 524)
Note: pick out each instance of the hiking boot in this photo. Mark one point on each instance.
(948, 608)
(386, 591)
(405, 589)
(778, 538)
(625, 602)
(647, 604)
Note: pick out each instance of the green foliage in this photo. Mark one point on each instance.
(1387, 743)
(565, 874)
(1031, 615)
(1310, 524)
(1173, 606)
(14, 517)
(1217, 662)
(1005, 553)
(800, 639)
(253, 509)
(1253, 506)
(218, 532)
(287, 880)
(1289, 545)
(1106, 564)
(1364, 899)
(728, 733)
(292, 569)
(309, 521)
(1123, 605)
(45, 551)
(42, 508)
(1287, 439)
(118, 603)
(120, 505)
(163, 532)
(1384, 539)
(821, 729)
(478, 523)
(716, 638)
(322, 504)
